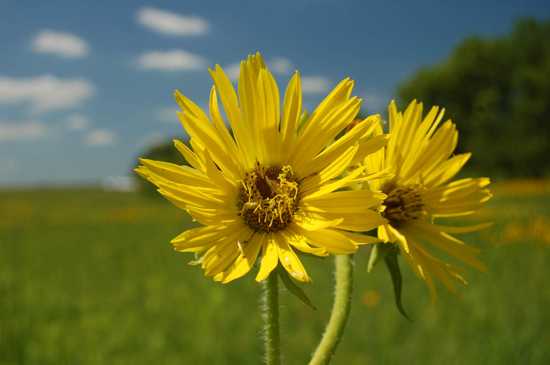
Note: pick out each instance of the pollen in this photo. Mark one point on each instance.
(403, 203)
(268, 198)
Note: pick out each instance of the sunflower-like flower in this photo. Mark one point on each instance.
(419, 157)
(272, 184)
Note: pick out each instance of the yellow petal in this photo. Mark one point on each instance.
(447, 243)
(291, 262)
(231, 107)
(300, 242)
(206, 135)
(270, 258)
(355, 201)
(311, 223)
(188, 154)
(177, 174)
(360, 239)
(291, 111)
(311, 144)
(246, 260)
(199, 237)
(396, 236)
(331, 240)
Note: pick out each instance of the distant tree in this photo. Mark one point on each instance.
(498, 92)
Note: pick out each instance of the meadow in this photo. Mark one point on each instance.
(88, 277)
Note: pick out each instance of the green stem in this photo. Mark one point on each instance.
(270, 314)
(340, 311)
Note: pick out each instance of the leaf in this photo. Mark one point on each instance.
(395, 272)
(294, 289)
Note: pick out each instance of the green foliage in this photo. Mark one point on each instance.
(294, 288)
(102, 285)
(498, 92)
(392, 264)
(389, 253)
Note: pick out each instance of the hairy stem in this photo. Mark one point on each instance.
(270, 314)
(340, 311)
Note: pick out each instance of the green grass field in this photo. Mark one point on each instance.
(88, 277)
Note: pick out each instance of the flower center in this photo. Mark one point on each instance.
(402, 204)
(268, 198)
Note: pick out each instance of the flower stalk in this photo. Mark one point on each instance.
(340, 311)
(270, 314)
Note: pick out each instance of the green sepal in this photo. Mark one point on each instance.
(378, 252)
(392, 264)
(373, 258)
(293, 288)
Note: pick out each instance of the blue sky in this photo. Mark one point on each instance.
(85, 86)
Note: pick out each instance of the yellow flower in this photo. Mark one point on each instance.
(419, 157)
(272, 185)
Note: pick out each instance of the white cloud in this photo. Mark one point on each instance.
(167, 114)
(153, 139)
(77, 122)
(315, 84)
(232, 71)
(280, 65)
(173, 60)
(62, 44)
(374, 102)
(11, 131)
(100, 137)
(45, 93)
(171, 23)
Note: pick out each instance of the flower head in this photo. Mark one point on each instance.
(419, 157)
(271, 185)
